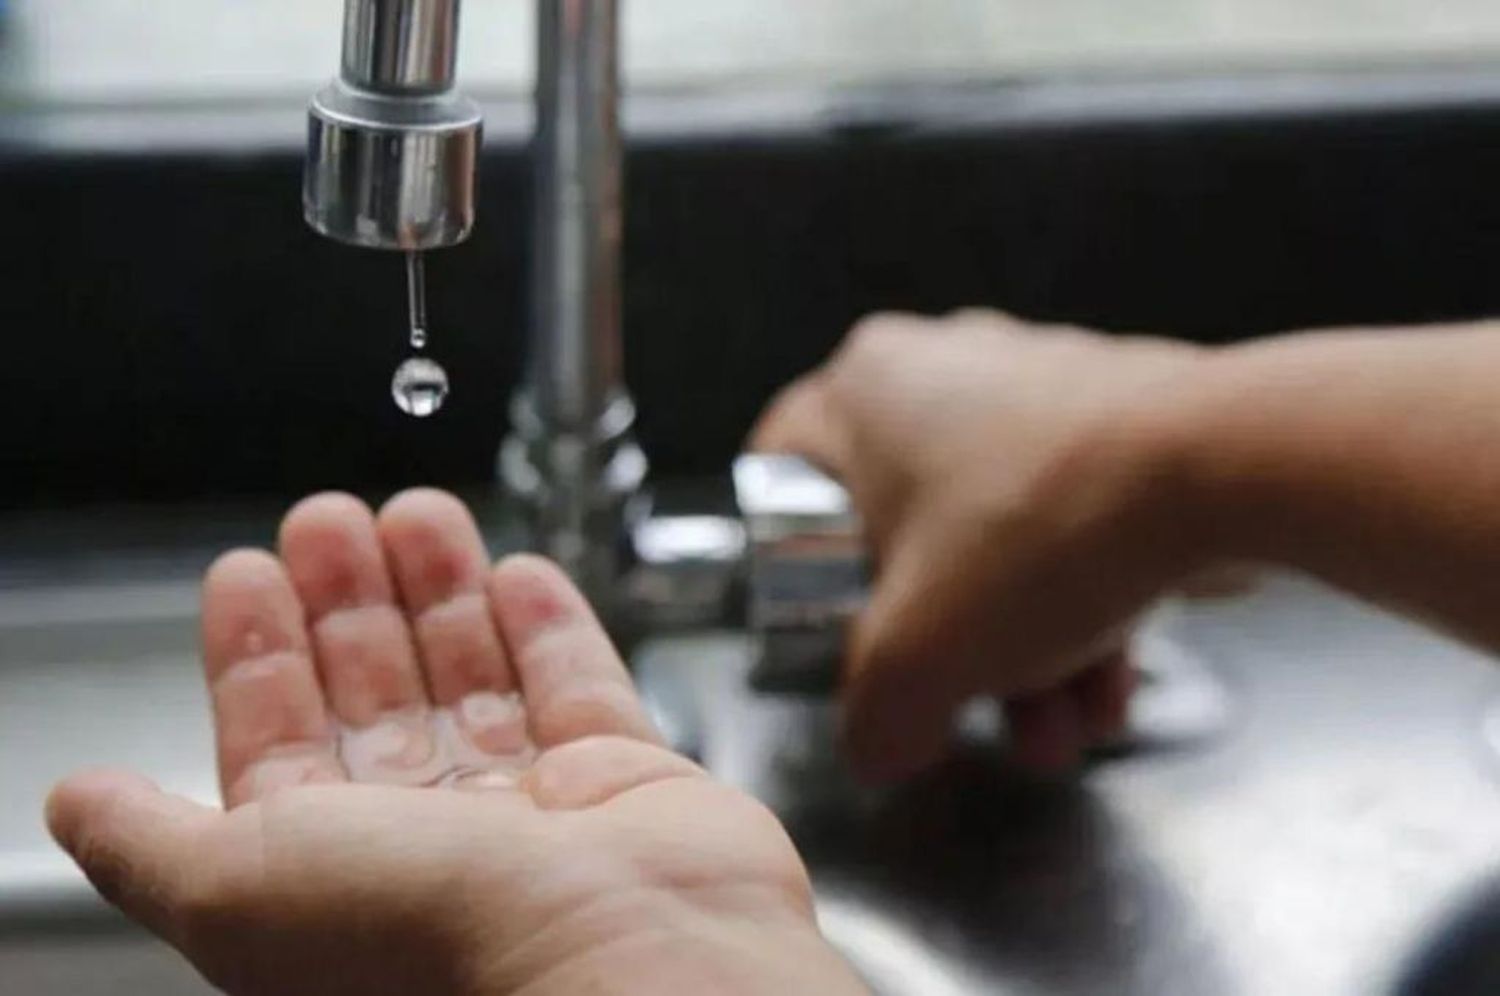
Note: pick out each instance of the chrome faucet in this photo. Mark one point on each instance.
(392, 154)
(392, 147)
(571, 455)
(391, 164)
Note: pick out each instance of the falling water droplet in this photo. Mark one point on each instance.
(420, 387)
(416, 298)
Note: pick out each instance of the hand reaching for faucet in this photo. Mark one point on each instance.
(998, 471)
(438, 778)
(1028, 490)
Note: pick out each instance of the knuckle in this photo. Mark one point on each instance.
(879, 332)
(569, 651)
(871, 351)
(979, 316)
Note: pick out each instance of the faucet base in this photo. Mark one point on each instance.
(582, 492)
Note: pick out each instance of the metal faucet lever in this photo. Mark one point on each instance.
(808, 570)
(808, 575)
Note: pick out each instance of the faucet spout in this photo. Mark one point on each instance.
(392, 151)
(392, 146)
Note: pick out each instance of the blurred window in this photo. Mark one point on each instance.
(102, 51)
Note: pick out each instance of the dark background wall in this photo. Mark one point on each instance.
(173, 330)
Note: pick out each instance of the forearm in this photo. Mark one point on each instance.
(1371, 459)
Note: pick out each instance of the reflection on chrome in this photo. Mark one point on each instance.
(889, 959)
(1491, 728)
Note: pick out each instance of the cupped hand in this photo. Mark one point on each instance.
(438, 778)
(1009, 481)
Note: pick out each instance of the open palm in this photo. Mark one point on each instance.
(437, 778)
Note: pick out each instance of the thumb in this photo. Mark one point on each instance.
(800, 420)
(133, 841)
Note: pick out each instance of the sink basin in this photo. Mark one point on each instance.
(116, 683)
(1462, 955)
(1309, 850)
(1329, 841)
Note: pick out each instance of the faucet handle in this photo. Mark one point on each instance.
(807, 574)
(794, 569)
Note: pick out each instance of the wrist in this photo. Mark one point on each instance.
(661, 943)
(1150, 448)
(1245, 447)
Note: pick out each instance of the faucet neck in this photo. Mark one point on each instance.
(400, 47)
(572, 456)
(575, 352)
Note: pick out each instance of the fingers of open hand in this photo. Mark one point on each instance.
(271, 721)
(382, 649)
(364, 649)
(441, 567)
(367, 659)
(575, 683)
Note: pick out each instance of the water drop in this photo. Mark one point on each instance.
(420, 387)
(418, 337)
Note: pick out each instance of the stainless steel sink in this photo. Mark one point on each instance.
(1333, 833)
